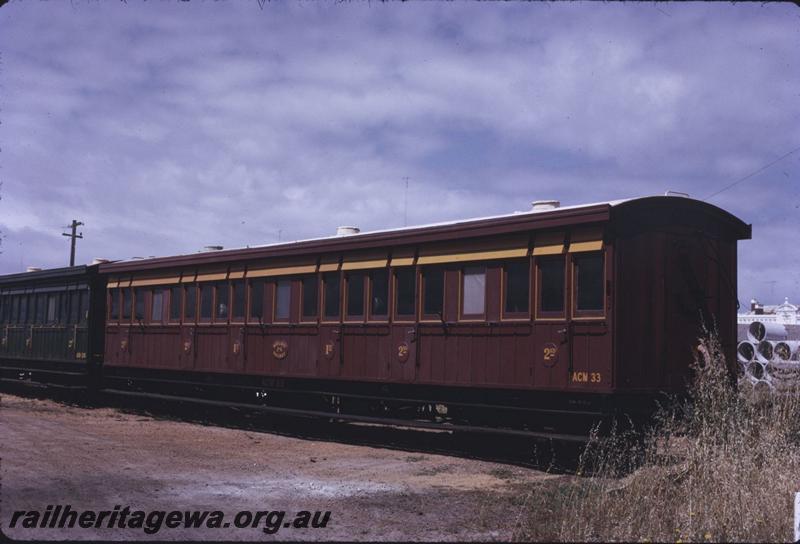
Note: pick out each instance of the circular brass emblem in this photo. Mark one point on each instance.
(280, 349)
(402, 352)
(187, 346)
(329, 349)
(550, 354)
(123, 345)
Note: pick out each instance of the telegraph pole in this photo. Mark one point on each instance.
(74, 236)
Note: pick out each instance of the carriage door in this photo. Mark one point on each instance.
(331, 354)
(552, 335)
(331, 357)
(188, 327)
(590, 341)
(404, 329)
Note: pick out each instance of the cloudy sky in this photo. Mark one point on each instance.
(167, 126)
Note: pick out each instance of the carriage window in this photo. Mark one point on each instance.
(63, 307)
(283, 299)
(84, 305)
(22, 316)
(114, 304)
(126, 305)
(52, 306)
(41, 306)
(331, 294)
(30, 308)
(355, 295)
(191, 301)
(138, 304)
(15, 305)
(310, 290)
(3, 309)
(237, 311)
(551, 298)
(379, 300)
(474, 291)
(517, 285)
(84, 315)
(158, 306)
(405, 294)
(25, 308)
(433, 296)
(589, 280)
(74, 306)
(222, 302)
(206, 300)
(175, 303)
(33, 302)
(257, 298)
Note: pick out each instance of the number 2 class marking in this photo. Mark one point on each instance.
(549, 355)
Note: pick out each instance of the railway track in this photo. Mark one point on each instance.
(556, 453)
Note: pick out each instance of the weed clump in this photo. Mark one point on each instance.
(723, 464)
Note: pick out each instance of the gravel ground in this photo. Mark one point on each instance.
(53, 453)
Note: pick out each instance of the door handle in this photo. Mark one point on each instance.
(562, 331)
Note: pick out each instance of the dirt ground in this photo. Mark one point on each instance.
(53, 453)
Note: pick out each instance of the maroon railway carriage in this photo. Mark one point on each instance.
(542, 321)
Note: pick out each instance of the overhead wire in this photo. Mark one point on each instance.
(748, 176)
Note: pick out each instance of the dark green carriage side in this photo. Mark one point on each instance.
(51, 327)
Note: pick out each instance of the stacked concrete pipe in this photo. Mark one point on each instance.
(767, 357)
(745, 352)
(786, 350)
(759, 331)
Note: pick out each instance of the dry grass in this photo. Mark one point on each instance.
(721, 466)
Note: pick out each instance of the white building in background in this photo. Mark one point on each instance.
(784, 314)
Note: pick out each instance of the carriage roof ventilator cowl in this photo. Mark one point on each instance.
(347, 231)
(544, 205)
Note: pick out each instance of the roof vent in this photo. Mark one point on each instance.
(543, 205)
(676, 193)
(98, 260)
(213, 248)
(34, 269)
(347, 231)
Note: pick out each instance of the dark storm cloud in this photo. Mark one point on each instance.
(166, 127)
